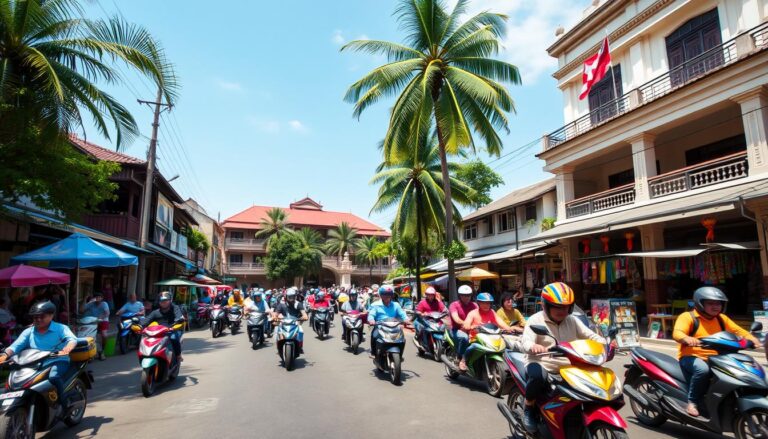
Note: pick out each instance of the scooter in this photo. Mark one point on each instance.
(202, 314)
(321, 321)
(158, 362)
(30, 403)
(484, 359)
(434, 329)
(737, 400)
(218, 320)
(256, 328)
(352, 327)
(389, 345)
(583, 401)
(88, 327)
(288, 344)
(126, 338)
(235, 317)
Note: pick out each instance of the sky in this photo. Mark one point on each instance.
(261, 120)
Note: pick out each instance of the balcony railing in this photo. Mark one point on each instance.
(246, 267)
(620, 196)
(702, 65)
(244, 243)
(713, 172)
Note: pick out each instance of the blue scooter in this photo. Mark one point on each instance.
(126, 338)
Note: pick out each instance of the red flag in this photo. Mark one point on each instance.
(595, 68)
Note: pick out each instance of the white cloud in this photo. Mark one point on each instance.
(275, 126)
(338, 37)
(296, 125)
(229, 85)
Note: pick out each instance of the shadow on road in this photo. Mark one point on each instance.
(467, 383)
(88, 428)
(674, 429)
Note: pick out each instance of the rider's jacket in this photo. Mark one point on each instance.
(570, 329)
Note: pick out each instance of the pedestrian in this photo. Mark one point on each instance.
(97, 307)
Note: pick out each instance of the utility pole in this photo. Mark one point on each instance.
(146, 204)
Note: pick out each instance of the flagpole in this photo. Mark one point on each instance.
(613, 75)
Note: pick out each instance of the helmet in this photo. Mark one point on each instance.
(386, 290)
(255, 295)
(484, 297)
(290, 294)
(236, 291)
(465, 290)
(165, 295)
(430, 290)
(46, 307)
(261, 290)
(557, 293)
(320, 295)
(708, 293)
(352, 293)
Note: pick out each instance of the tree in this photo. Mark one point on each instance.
(481, 178)
(443, 74)
(287, 258)
(52, 62)
(312, 243)
(273, 225)
(369, 251)
(197, 241)
(341, 239)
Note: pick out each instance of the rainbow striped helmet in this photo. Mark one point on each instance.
(557, 293)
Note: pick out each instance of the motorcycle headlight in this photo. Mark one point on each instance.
(21, 376)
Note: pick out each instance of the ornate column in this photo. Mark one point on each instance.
(564, 190)
(754, 116)
(644, 164)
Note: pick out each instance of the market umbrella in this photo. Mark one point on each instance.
(475, 273)
(28, 276)
(178, 283)
(203, 279)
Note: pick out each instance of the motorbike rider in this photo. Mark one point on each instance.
(428, 304)
(132, 306)
(384, 309)
(46, 335)
(167, 314)
(292, 308)
(352, 304)
(707, 318)
(557, 301)
(236, 299)
(257, 303)
(459, 311)
(509, 314)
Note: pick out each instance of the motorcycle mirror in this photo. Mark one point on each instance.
(756, 327)
(539, 329)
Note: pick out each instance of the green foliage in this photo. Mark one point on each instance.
(547, 223)
(399, 272)
(311, 243)
(481, 178)
(287, 258)
(197, 241)
(455, 251)
(342, 238)
(530, 224)
(273, 225)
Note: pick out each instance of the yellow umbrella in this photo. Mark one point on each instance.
(475, 273)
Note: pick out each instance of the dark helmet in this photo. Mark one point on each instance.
(165, 296)
(42, 308)
(708, 293)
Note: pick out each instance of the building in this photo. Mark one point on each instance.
(245, 253)
(211, 261)
(662, 172)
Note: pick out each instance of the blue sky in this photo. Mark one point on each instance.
(261, 119)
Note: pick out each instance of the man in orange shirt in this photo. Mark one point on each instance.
(706, 319)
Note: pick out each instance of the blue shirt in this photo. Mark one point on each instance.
(53, 340)
(98, 310)
(132, 308)
(379, 312)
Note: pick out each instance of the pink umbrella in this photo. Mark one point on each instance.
(28, 276)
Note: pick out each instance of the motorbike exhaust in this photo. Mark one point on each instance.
(506, 412)
(449, 363)
(642, 400)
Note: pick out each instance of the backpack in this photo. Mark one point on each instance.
(696, 323)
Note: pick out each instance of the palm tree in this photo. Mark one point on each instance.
(366, 253)
(341, 239)
(273, 225)
(443, 74)
(52, 60)
(415, 185)
(312, 243)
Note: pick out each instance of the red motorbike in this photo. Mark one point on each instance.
(158, 362)
(202, 315)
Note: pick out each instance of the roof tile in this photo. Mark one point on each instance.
(101, 153)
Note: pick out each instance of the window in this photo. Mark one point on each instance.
(118, 206)
(721, 148)
(530, 211)
(236, 259)
(689, 48)
(135, 205)
(506, 221)
(236, 235)
(489, 225)
(621, 178)
(602, 97)
(470, 231)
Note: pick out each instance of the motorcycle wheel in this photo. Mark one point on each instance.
(122, 342)
(450, 353)
(394, 369)
(516, 404)
(254, 341)
(495, 378)
(175, 370)
(148, 381)
(288, 356)
(75, 416)
(741, 425)
(437, 350)
(14, 425)
(645, 415)
(234, 328)
(602, 430)
(354, 341)
(213, 330)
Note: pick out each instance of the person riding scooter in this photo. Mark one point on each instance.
(557, 300)
(386, 308)
(352, 304)
(428, 304)
(459, 311)
(292, 308)
(706, 319)
(167, 314)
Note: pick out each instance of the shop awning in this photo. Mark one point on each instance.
(685, 253)
(733, 246)
(188, 265)
(512, 253)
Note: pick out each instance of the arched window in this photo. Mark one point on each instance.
(691, 48)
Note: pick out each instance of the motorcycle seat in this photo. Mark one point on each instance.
(83, 342)
(518, 360)
(668, 364)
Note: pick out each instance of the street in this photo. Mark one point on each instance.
(226, 389)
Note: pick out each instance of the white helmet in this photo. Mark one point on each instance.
(465, 289)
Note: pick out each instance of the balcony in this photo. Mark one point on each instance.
(246, 268)
(696, 68)
(244, 244)
(620, 196)
(732, 167)
(333, 261)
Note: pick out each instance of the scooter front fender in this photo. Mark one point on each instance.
(750, 402)
(606, 414)
(148, 362)
(394, 349)
(8, 405)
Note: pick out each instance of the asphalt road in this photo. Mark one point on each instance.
(228, 390)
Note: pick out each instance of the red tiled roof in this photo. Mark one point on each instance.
(251, 217)
(105, 154)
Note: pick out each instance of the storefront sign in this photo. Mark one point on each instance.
(620, 313)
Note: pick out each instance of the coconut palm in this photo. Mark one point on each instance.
(53, 59)
(366, 252)
(274, 224)
(444, 73)
(341, 239)
(312, 244)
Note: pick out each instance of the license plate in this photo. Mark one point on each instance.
(11, 394)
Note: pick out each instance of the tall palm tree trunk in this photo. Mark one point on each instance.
(448, 210)
(418, 242)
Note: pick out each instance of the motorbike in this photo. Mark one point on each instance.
(202, 315)
(30, 403)
(235, 317)
(390, 344)
(126, 338)
(434, 328)
(256, 327)
(484, 359)
(288, 345)
(158, 362)
(321, 321)
(737, 400)
(584, 400)
(218, 320)
(352, 324)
